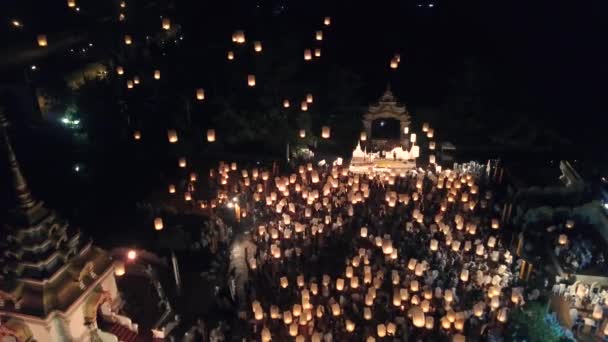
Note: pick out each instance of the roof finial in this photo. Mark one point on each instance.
(24, 197)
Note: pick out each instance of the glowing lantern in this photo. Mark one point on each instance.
(414, 286)
(251, 80)
(317, 52)
(128, 39)
(309, 98)
(335, 309)
(413, 138)
(363, 232)
(42, 41)
(417, 317)
(319, 35)
(339, 284)
(120, 70)
(119, 269)
(430, 134)
(257, 46)
(136, 80)
(238, 36)
(458, 338)
(158, 223)
(495, 223)
(297, 310)
(266, 337)
(172, 135)
(157, 74)
(350, 325)
(434, 245)
(293, 329)
(200, 94)
(563, 239)
(432, 159)
(166, 24)
(137, 135)
(71, 3)
(181, 162)
(569, 224)
(230, 55)
(187, 196)
(304, 106)
(286, 103)
(445, 323)
(381, 330)
(367, 313)
(211, 135)
(391, 329)
(171, 189)
(464, 275)
(327, 21)
(394, 64)
(325, 132)
(307, 55)
(448, 296)
(129, 84)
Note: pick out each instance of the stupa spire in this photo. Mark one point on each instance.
(22, 192)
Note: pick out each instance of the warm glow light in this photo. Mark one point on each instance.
(42, 41)
(230, 55)
(251, 80)
(257, 46)
(128, 39)
(157, 74)
(166, 24)
(327, 21)
(200, 94)
(131, 255)
(307, 55)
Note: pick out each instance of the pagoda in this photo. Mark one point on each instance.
(387, 108)
(53, 281)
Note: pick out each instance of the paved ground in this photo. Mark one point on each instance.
(240, 250)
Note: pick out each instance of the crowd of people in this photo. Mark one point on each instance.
(343, 256)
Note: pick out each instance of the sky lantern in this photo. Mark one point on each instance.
(286, 103)
(137, 135)
(171, 188)
(562, 239)
(381, 330)
(157, 74)
(172, 136)
(327, 21)
(304, 106)
(211, 135)
(123, 4)
(230, 55)
(182, 162)
(239, 37)
(413, 138)
(307, 54)
(136, 80)
(158, 223)
(42, 41)
(363, 136)
(128, 39)
(394, 64)
(569, 224)
(495, 224)
(325, 132)
(200, 94)
(120, 70)
(503, 315)
(166, 24)
(318, 52)
(302, 133)
(350, 325)
(319, 35)
(119, 269)
(251, 80)
(71, 3)
(129, 84)
(431, 145)
(257, 46)
(309, 98)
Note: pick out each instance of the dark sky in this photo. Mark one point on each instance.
(546, 58)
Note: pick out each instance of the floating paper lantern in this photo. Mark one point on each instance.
(297, 310)
(307, 55)
(187, 196)
(128, 40)
(157, 74)
(200, 94)
(434, 245)
(309, 98)
(363, 232)
(317, 52)
(339, 284)
(569, 224)
(319, 35)
(158, 223)
(393, 64)
(325, 132)
(230, 55)
(414, 286)
(464, 275)
(286, 103)
(381, 330)
(293, 329)
(479, 250)
(363, 136)
(136, 80)
(251, 80)
(120, 70)
(327, 21)
(129, 84)
(432, 159)
(563, 239)
(172, 135)
(137, 135)
(171, 188)
(350, 325)
(417, 317)
(367, 313)
(304, 106)
(42, 41)
(211, 135)
(257, 46)
(238, 37)
(119, 269)
(391, 329)
(71, 3)
(182, 162)
(413, 138)
(335, 309)
(266, 337)
(166, 24)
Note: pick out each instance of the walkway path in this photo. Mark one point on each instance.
(238, 261)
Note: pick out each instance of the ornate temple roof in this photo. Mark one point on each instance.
(41, 256)
(387, 104)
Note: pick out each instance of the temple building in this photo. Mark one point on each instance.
(54, 283)
(395, 153)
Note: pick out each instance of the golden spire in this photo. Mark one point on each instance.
(24, 197)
